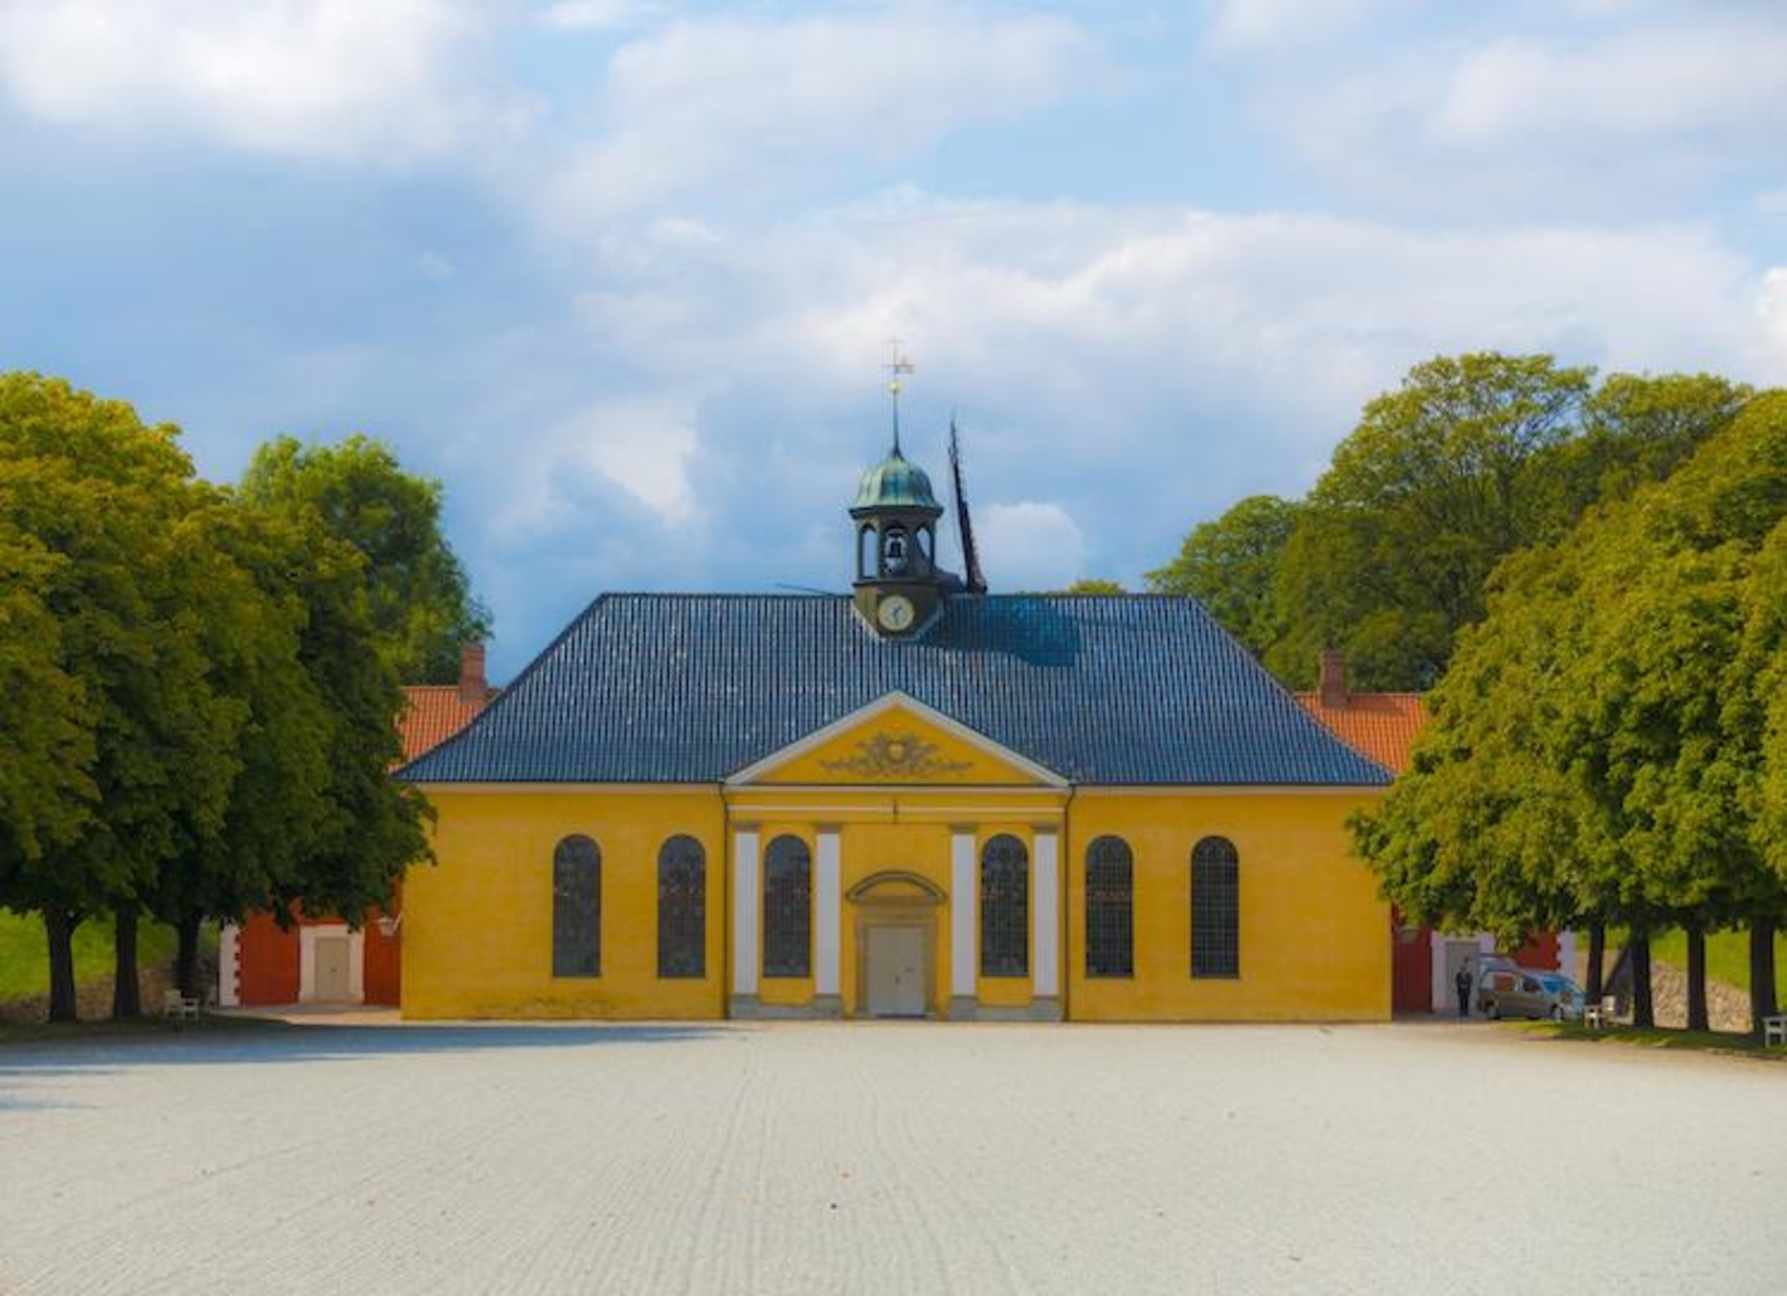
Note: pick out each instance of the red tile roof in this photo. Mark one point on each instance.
(436, 712)
(1380, 725)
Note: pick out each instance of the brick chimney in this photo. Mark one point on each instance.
(1333, 685)
(473, 687)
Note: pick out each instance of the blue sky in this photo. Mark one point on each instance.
(622, 273)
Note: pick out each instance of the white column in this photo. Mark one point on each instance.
(306, 964)
(747, 893)
(1442, 989)
(829, 896)
(229, 971)
(356, 966)
(964, 909)
(1045, 938)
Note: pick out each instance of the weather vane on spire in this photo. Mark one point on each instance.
(897, 365)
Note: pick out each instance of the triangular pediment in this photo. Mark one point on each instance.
(897, 740)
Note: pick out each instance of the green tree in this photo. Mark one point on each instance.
(1231, 564)
(1094, 585)
(1473, 458)
(103, 495)
(1598, 737)
(354, 834)
(46, 726)
(1640, 429)
(420, 603)
(1441, 479)
(240, 568)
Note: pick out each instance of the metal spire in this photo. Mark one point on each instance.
(897, 365)
(971, 575)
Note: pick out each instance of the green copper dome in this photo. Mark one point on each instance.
(894, 483)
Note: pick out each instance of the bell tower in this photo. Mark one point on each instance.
(898, 585)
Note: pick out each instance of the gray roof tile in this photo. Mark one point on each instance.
(693, 687)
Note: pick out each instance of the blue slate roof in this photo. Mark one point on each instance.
(692, 688)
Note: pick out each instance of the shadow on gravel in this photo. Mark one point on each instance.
(75, 1054)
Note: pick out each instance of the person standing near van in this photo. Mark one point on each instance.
(1463, 982)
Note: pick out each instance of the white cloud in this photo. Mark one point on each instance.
(1557, 116)
(1095, 309)
(323, 78)
(435, 267)
(753, 103)
(1771, 307)
(1136, 367)
(1030, 545)
(598, 15)
(641, 444)
(1672, 79)
(1237, 24)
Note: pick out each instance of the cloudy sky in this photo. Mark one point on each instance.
(622, 272)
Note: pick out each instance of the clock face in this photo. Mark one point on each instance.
(894, 612)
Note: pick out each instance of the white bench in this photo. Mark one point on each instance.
(1774, 1030)
(179, 1007)
(1600, 1016)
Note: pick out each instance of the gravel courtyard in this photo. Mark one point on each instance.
(886, 1158)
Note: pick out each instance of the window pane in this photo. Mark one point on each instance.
(787, 909)
(1110, 903)
(682, 908)
(576, 908)
(1215, 909)
(1004, 908)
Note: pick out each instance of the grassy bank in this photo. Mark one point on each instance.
(1727, 955)
(25, 957)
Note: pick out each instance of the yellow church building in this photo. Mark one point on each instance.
(918, 800)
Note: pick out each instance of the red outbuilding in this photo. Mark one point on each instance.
(319, 958)
(1423, 961)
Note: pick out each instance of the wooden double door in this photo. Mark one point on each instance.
(896, 953)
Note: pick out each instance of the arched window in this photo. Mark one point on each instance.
(1215, 909)
(1110, 908)
(576, 908)
(1004, 908)
(787, 909)
(865, 551)
(682, 908)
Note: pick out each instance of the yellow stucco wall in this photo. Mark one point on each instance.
(1314, 936)
(477, 929)
(907, 830)
(477, 933)
(868, 848)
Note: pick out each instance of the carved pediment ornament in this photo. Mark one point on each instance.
(895, 754)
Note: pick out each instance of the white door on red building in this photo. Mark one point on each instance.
(332, 972)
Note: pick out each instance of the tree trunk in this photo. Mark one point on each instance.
(1597, 955)
(58, 926)
(1762, 973)
(186, 960)
(1643, 1016)
(1697, 978)
(127, 993)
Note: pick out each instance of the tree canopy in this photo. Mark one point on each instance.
(419, 600)
(204, 721)
(46, 726)
(1231, 564)
(1604, 743)
(1472, 458)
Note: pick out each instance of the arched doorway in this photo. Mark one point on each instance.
(896, 944)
